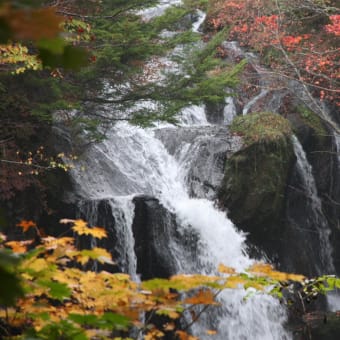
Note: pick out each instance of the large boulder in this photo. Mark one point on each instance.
(159, 241)
(153, 226)
(255, 179)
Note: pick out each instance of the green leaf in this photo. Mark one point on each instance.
(116, 320)
(10, 287)
(59, 291)
(88, 320)
(73, 58)
(107, 321)
(55, 46)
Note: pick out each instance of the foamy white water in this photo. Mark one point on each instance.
(132, 161)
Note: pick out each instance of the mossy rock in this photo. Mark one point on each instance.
(254, 184)
(262, 127)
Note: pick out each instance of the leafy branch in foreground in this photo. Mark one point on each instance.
(57, 299)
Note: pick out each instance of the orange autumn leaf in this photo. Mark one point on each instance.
(19, 246)
(32, 24)
(211, 332)
(203, 296)
(25, 225)
(185, 336)
(154, 334)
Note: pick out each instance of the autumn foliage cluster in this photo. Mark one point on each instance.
(58, 298)
(299, 39)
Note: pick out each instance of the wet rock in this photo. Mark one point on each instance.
(156, 235)
(152, 229)
(203, 151)
(255, 181)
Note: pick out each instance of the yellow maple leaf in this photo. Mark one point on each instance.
(53, 243)
(98, 254)
(235, 282)
(38, 265)
(263, 269)
(98, 232)
(296, 277)
(186, 282)
(81, 228)
(226, 270)
(25, 225)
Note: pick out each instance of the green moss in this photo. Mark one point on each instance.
(312, 120)
(261, 127)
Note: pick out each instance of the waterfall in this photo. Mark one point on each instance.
(316, 216)
(197, 24)
(132, 162)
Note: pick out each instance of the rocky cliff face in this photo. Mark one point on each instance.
(255, 183)
(267, 196)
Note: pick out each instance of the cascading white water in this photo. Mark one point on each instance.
(317, 216)
(133, 161)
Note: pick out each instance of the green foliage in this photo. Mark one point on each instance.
(202, 78)
(261, 127)
(10, 283)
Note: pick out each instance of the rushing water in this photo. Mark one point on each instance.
(316, 216)
(132, 161)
